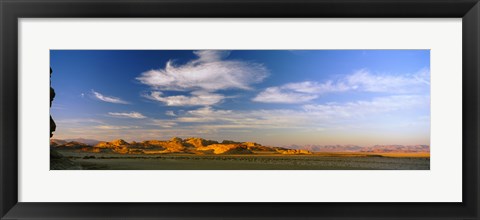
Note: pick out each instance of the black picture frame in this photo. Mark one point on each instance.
(12, 10)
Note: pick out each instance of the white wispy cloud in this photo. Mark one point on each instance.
(163, 123)
(308, 116)
(316, 87)
(362, 81)
(206, 114)
(280, 95)
(170, 113)
(109, 99)
(135, 115)
(78, 122)
(372, 107)
(196, 98)
(114, 127)
(210, 55)
(366, 81)
(202, 77)
(209, 72)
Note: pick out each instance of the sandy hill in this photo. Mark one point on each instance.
(191, 145)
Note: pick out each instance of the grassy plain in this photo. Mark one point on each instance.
(317, 161)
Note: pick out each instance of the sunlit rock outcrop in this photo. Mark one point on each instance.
(176, 145)
(199, 142)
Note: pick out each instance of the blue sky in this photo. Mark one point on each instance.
(274, 97)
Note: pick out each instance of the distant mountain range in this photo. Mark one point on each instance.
(373, 149)
(80, 140)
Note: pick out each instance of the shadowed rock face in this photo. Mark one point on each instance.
(57, 160)
(53, 126)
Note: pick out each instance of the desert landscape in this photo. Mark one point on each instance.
(240, 110)
(201, 154)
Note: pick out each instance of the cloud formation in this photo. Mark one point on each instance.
(170, 113)
(202, 77)
(196, 98)
(113, 127)
(365, 81)
(109, 99)
(308, 116)
(209, 72)
(372, 107)
(281, 95)
(362, 81)
(135, 115)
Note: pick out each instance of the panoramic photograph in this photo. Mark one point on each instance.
(239, 109)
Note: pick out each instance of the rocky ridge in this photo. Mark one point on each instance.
(174, 145)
